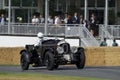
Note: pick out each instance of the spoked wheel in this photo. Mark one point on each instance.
(24, 61)
(81, 61)
(49, 61)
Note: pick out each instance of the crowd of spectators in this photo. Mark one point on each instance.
(77, 19)
(91, 24)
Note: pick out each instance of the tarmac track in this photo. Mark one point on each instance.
(110, 73)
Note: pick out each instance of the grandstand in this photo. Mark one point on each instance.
(73, 31)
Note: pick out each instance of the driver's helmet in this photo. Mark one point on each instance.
(40, 35)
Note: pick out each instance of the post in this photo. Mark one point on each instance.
(66, 5)
(29, 16)
(3, 4)
(106, 13)
(116, 10)
(13, 16)
(46, 16)
(57, 5)
(9, 16)
(85, 10)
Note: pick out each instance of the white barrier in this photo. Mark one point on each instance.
(19, 41)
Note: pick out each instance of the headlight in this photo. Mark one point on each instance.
(60, 50)
(74, 49)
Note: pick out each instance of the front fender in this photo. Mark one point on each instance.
(81, 49)
(25, 52)
(50, 50)
(22, 51)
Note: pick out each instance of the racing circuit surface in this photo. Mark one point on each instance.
(111, 73)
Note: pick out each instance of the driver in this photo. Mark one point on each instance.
(40, 39)
(37, 44)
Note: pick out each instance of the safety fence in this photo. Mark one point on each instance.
(65, 30)
(33, 29)
(62, 29)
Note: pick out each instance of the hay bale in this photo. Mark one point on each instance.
(95, 56)
(9, 56)
(6, 56)
(112, 49)
(112, 58)
(16, 57)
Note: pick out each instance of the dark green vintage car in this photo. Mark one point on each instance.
(52, 53)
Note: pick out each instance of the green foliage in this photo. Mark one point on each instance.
(111, 17)
(29, 3)
(2, 11)
(52, 7)
(72, 10)
(15, 2)
(118, 14)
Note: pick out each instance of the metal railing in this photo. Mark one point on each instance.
(111, 31)
(104, 33)
(67, 30)
(33, 29)
(22, 29)
(114, 30)
(88, 39)
(72, 30)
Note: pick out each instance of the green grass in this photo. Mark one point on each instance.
(30, 76)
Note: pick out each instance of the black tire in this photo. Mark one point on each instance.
(49, 60)
(81, 61)
(24, 60)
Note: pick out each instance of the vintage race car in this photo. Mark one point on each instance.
(52, 53)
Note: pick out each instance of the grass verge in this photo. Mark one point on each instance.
(30, 76)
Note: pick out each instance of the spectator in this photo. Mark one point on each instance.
(2, 19)
(69, 20)
(66, 18)
(57, 20)
(114, 43)
(92, 24)
(75, 18)
(35, 20)
(50, 20)
(58, 25)
(85, 24)
(81, 19)
(41, 19)
(103, 43)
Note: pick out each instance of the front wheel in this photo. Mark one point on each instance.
(24, 60)
(81, 61)
(49, 60)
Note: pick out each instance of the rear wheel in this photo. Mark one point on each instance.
(81, 61)
(49, 60)
(24, 61)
